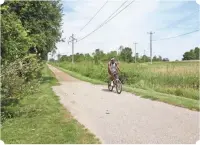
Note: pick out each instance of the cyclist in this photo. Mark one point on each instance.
(112, 69)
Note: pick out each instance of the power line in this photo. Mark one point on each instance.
(174, 23)
(103, 22)
(176, 36)
(108, 19)
(94, 15)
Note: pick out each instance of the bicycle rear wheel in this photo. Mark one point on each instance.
(118, 87)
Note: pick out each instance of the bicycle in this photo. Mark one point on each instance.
(117, 84)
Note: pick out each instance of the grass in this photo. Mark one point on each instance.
(81, 77)
(186, 102)
(167, 98)
(45, 120)
(175, 78)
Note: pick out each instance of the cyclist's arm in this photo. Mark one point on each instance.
(118, 67)
(109, 66)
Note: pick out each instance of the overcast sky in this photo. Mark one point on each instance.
(167, 18)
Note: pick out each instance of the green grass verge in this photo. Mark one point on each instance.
(45, 120)
(81, 77)
(149, 94)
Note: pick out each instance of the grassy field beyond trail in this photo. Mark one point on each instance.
(175, 83)
(44, 121)
(175, 78)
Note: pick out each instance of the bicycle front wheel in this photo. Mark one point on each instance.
(110, 88)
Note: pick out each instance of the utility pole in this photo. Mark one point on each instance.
(135, 50)
(151, 44)
(144, 55)
(72, 39)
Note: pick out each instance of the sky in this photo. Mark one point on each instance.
(166, 18)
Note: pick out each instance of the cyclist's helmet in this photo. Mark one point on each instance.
(112, 59)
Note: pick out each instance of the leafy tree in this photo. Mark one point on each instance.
(26, 27)
(165, 59)
(88, 57)
(64, 58)
(121, 48)
(52, 60)
(59, 56)
(189, 55)
(111, 55)
(197, 51)
(15, 41)
(193, 54)
(126, 54)
(157, 58)
(98, 55)
(31, 24)
(144, 58)
(79, 57)
(160, 58)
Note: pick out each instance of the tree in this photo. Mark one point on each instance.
(79, 57)
(111, 55)
(144, 58)
(126, 54)
(192, 54)
(98, 55)
(165, 59)
(15, 41)
(27, 27)
(52, 60)
(88, 57)
(64, 58)
(59, 56)
(189, 55)
(159, 58)
(155, 58)
(196, 52)
(31, 24)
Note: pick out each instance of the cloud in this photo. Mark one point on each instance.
(129, 26)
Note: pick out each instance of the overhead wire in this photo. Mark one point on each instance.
(94, 15)
(177, 35)
(108, 19)
(174, 23)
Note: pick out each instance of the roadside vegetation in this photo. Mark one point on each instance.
(39, 118)
(30, 112)
(179, 79)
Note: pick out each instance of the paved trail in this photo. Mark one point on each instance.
(125, 118)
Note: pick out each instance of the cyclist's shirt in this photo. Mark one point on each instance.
(113, 67)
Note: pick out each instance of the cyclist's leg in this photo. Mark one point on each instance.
(110, 75)
(114, 77)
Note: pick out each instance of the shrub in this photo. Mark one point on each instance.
(18, 79)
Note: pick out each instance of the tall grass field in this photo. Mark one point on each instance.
(176, 78)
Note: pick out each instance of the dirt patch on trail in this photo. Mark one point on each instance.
(61, 76)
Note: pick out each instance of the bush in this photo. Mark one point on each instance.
(18, 79)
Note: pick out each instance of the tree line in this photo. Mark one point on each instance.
(124, 54)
